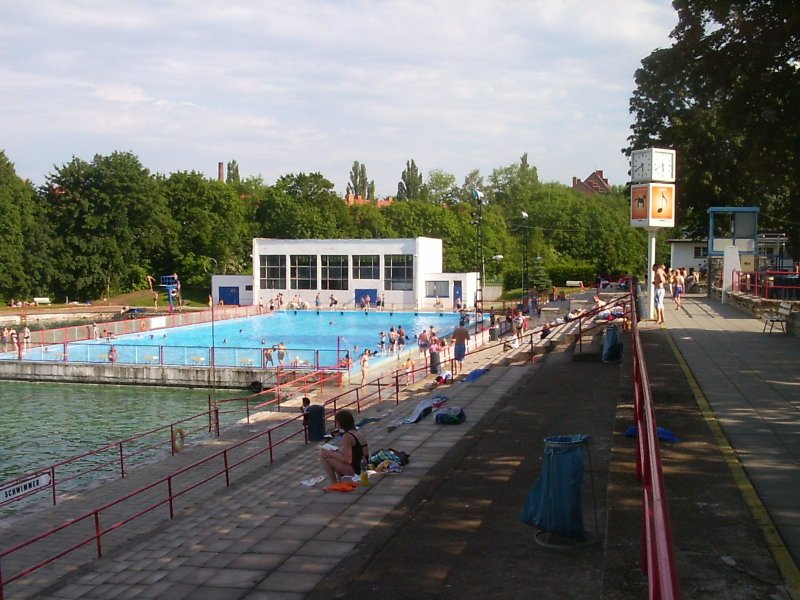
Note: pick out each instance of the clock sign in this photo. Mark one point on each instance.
(653, 164)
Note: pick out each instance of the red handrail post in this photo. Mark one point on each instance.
(169, 496)
(53, 484)
(227, 471)
(98, 535)
(121, 461)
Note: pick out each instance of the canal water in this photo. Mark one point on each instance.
(41, 424)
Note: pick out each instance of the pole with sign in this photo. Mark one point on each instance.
(652, 200)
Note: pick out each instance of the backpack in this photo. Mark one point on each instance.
(451, 415)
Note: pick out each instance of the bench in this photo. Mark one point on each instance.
(574, 283)
(246, 362)
(151, 359)
(781, 317)
(198, 360)
(42, 300)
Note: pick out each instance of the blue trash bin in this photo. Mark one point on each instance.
(611, 344)
(554, 502)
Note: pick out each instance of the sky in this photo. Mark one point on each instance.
(311, 85)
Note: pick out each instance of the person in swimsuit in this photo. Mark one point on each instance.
(345, 462)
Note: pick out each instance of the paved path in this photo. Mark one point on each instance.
(751, 381)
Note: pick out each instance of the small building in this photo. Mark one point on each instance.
(692, 254)
(593, 184)
(405, 273)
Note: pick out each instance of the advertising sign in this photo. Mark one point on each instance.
(653, 205)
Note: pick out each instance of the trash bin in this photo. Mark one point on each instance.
(315, 423)
(493, 337)
(554, 502)
(611, 345)
(436, 363)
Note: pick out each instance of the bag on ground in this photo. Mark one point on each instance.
(451, 415)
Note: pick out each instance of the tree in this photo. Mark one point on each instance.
(232, 175)
(441, 188)
(410, 186)
(209, 223)
(20, 253)
(359, 184)
(112, 221)
(724, 95)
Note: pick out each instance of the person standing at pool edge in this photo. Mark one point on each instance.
(364, 367)
(460, 337)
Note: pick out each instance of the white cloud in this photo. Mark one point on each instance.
(312, 85)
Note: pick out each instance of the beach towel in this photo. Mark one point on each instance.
(342, 486)
(473, 375)
(423, 409)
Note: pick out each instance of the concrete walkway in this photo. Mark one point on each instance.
(751, 381)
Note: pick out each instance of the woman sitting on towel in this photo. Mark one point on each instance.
(345, 462)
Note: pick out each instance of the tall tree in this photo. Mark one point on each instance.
(724, 95)
(20, 252)
(360, 184)
(410, 185)
(232, 176)
(441, 187)
(113, 223)
(209, 223)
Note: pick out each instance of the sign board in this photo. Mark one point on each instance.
(23, 487)
(653, 205)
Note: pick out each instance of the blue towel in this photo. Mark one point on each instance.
(665, 435)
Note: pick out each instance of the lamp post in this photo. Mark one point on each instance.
(212, 358)
(525, 279)
(477, 195)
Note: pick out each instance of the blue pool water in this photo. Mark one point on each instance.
(311, 338)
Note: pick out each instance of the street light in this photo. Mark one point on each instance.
(477, 195)
(212, 359)
(526, 228)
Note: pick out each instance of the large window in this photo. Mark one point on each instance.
(366, 266)
(272, 274)
(700, 251)
(398, 272)
(437, 289)
(303, 270)
(334, 272)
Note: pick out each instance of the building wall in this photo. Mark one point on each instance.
(682, 254)
(244, 284)
(427, 263)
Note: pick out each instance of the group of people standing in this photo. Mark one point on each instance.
(18, 342)
(665, 281)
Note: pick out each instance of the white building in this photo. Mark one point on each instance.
(406, 273)
(692, 254)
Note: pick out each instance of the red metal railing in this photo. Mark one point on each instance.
(658, 561)
(358, 398)
(779, 285)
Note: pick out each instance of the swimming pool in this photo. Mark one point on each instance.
(312, 340)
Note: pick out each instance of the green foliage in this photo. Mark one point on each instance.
(725, 96)
(22, 229)
(111, 218)
(360, 184)
(116, 223)
(572, 271)
(410, 186)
